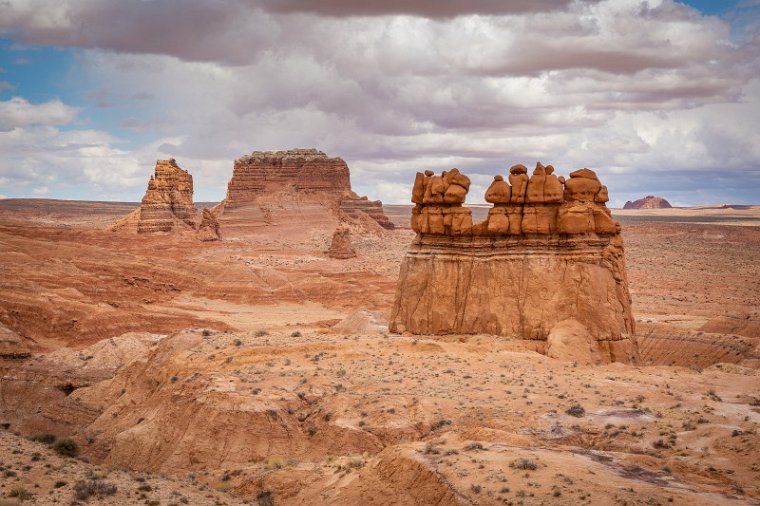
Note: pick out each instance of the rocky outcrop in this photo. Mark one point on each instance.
(12, 345)
(353, 205)
(648, 202)
(208, 229)
(300, 187)
(547, 261)
(168, 201)
(341, 245)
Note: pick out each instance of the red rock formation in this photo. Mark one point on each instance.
(547, 264)
(341, 245)
(353, 204)
(168, 202)
(208, 229)
(648, 202)
(303, 187)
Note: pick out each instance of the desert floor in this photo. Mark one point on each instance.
(258, 370)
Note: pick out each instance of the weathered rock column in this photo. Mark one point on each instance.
(568, 290)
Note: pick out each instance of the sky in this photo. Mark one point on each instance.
(657, 96)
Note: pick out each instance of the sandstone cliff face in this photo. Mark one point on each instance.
(168, 201)
(648, 202)
(300, 187)
(547, 261)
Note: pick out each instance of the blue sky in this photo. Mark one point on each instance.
(657, 96)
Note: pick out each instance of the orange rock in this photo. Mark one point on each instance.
(499, 192)
(341, 246)
(168, 201)
(208, 230)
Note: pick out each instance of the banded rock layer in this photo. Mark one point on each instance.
(302, 187)
(168, 200)
(547, 264)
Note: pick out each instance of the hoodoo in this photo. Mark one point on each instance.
(341, 247)
(168, 200)
(547, 265)
(300, 187)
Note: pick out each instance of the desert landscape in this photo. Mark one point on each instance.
(239, 353)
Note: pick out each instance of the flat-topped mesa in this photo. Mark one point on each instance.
(648, 202)
(547, 265)
(268, 183)
(168, 200)
(306, 171)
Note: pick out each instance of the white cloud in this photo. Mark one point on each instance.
(18, 112)
(650, 93)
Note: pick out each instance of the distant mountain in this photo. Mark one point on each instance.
(648, 202)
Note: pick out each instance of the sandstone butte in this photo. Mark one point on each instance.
(168, 201)
(547, 265)
(648, 202)
(301, 187)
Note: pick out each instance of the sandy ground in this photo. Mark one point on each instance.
(290, 389)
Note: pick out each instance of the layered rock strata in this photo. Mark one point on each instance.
(341, 246)
(546, 262)
(168, 201)
(300, 186)
(353, 205)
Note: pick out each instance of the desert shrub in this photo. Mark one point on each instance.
(576, 411)
(261, 333)
(20, 493)
(59, 484)
(524, 465)
(264, 498)
(296, 334)
(474, 446)
(439, 424)
(48, 439)
(66, 447)
(206, 333)
(83, 490)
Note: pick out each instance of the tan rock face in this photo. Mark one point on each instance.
(548, 253)
(274, 187)
(353, 205)
(208, 229)
(341, 245)
(168, 200)
(307, 171)
(648, 202)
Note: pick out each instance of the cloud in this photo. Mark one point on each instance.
(18, 112)
(424, 8)
(650, 93)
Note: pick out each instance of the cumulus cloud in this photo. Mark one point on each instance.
(649, 92)
(18, 112)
